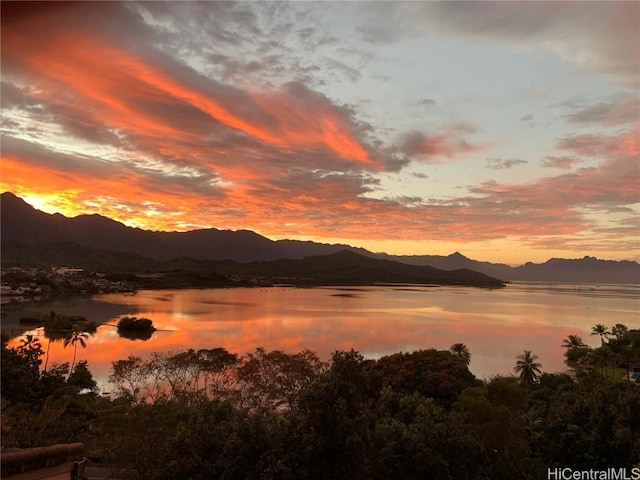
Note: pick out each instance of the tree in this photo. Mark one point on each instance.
(577, 352)
(31, 350)
(77, 336)
(496, 413)
(336, 418)
(82, 378)
(587, 421)
(413, 437)
(619, 330)
(432, 373)
(18, 375)
(128, 378)
(601, 330)
(274, 380)
(573, 341)
(625, 346)
(136, 328)
(527, 368)
(217, 366)
(579, 358)
(49, 320)
(461, 351)
(59, 327)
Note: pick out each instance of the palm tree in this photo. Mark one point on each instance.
(76, 336)
(577, 351)
(49, 321)
(573, 341)
(601, 330)
(31, 349)
(461, 351)
(528, 368)
(29, 342)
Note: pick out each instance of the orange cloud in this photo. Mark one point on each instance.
(129, 94)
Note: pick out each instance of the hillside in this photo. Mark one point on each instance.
(560, 270)
(350, 268)
(23, 228)
(582, 270)
(342, 268)
(23, 224)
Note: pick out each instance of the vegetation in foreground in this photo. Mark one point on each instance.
(210, 414)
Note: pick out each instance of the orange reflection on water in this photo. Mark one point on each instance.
(497, 325)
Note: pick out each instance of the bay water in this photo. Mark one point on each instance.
(496, 324)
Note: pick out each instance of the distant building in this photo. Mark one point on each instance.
(68, 270)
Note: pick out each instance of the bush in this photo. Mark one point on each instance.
(135, 328)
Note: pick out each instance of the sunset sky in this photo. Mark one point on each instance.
(507, 131)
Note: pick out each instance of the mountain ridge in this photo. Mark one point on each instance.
(22, 223)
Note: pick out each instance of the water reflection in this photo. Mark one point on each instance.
(497, 325)
(144, 335)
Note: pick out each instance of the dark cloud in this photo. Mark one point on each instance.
(42, 156)
(565, 162)
(406, 200)
(335, 65)
(71, 117)
(623, 109)
(448, 144)
(230, 23)
(9, 123)
(426, 102)
(590, 240)
(625, 226)
(602, 36)
(503, 164)
(527, 120)
(263, 44)
(326, 187)
(624, 145)
(12, 96)
(599, 36)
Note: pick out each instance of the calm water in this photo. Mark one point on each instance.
(497, 325)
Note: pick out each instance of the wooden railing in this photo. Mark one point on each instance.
(57, 462)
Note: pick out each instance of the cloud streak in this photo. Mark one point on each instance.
(621, 110)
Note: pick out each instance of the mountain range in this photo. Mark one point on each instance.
(25, 229)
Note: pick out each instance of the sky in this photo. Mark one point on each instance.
(508, 131)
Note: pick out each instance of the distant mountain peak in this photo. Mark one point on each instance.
(13, 199)
(457, 255)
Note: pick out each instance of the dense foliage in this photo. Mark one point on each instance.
(211, 414)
